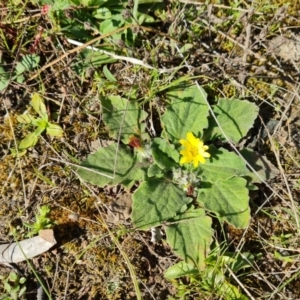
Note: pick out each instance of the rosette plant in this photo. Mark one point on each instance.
(186, 176)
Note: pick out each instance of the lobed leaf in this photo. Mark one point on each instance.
(228, 199)
(191, 236)
(235, 117)
(222, 165)
(155, 171)
(155, 201)
(165, 155)
(188, 111)
(101, 165)
(123, 117)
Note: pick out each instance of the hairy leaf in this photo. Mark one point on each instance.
(222, 165)
(190, 235)
(188, 111)
(156, 200)
(112, 165)
(235, 117)
(123, 117)
(228, 199)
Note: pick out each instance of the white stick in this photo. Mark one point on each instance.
(132, 60)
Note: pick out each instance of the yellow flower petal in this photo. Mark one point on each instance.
(196, 163)
(195, 150)
(185, 143)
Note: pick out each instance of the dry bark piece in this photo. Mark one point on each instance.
(29, 248)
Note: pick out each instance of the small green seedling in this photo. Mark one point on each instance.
(42, 123)
(41, 221)
(14, 286)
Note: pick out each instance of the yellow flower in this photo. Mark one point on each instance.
(194, 151)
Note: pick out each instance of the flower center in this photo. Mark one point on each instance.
(194, 151)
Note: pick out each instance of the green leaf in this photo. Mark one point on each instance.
(22, 280)
(54, 130)
(25, 118)
(92, 3)
(235, 116)
(186, 48)
(222, 165)
(239, 260)
(38, 131)
(188, 111)
(7, 287)
(191, 236)
(127, 168)
(112, 24)
(155, 171)
(43, 211)
(41, 221)
(88, 59)
(40, 123)
(39, 106)
(228, 291)
(13, 276)
(29, 141)
(61, 5)
(155, 201)
(20, 68)
(181, 269)
(109, 75)
(165, 155)
(22, 290)
(14, 292)
(4, 79)
(102, 13)
(123, 117)
(18, 153)
(28, 225)
(19, 78)
(228, 199)
(28, 62)
(145, 18)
